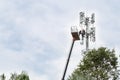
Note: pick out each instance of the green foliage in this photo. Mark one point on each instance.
(2, 77)
(15, 76)
(23, 76)
(98, 64)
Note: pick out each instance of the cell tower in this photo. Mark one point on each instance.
(87, 29)
(87, 32)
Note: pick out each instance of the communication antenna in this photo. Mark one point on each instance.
(92, 18)
(82, 17)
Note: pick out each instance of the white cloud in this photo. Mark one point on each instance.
(35, 34)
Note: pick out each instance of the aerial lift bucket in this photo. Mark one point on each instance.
(74, 32)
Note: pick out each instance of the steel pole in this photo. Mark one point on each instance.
(87, 34)
(87, 39)
(63, 78)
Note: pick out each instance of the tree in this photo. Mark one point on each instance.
(23, 76)
(13, 76)
(78, 76)
(100, 64)
(2, 77)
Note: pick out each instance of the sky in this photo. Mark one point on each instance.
(35, 35)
